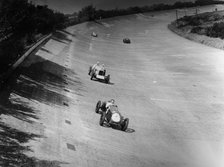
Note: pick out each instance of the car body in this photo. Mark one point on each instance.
(126, 40)
(99, 73)
(111, 116)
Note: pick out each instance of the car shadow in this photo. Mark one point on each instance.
(129, 130)
(110, 83)
(107, 126)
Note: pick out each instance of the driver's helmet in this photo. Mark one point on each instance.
(112, 101)
(98, 63)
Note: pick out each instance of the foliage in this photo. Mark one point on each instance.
(217, 30)
(204, 24)
(198, 30)
(89, 13)
(205, 2)
(23, 17)
(9, 51)
(20, 23)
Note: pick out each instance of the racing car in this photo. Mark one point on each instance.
(99, 73)
(110, 116)
(126, 40)
(94, 34)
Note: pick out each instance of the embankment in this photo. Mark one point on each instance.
(203, 39)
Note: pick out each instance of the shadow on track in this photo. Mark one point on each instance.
(102, 82)
(46, 50)
(61, 37)
(36, 80)
(12, 152)
(129, 130)
(44, 81)
(66, 32)
(12, 148)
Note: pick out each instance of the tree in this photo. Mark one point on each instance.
(204, 2)
(87, 13)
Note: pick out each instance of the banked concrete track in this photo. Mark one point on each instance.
(170, 88)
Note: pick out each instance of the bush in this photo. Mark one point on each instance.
(196, 29)
(9, 52)
(22, 22)
(217, 30)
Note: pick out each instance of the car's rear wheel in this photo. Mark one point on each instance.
(125, 124)
(107, 80)
(102, 118)
(98, 105)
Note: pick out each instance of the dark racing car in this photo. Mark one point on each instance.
(126, 40)
(110, 116)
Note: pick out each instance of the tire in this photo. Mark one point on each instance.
(103, 107)
(102, 118)
(107, 80)
(125, 124)
(98, 105)
(90, 68)
(92, 77)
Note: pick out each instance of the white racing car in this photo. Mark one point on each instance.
(94, 34)
(110, 116)
(99, 73)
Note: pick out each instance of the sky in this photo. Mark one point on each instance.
(71, 6)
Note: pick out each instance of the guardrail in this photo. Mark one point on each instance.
(7, 74)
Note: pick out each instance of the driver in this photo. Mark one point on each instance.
(103, 69)
(95, 66)
(109, 103)
(106, 105)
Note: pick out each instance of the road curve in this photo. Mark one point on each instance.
(170, 88)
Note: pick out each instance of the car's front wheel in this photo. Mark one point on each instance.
(125, 124)
(98, 105)
(90, 68)
(107, 80)
(102, 118)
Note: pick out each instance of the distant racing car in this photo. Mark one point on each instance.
(99, 73)
(126, 40)
(110, 116)
(94, 34)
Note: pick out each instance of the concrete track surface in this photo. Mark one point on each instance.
(170, 88)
